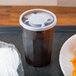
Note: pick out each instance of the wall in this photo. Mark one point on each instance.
(29, 2)
(67, 2)
(39, 2)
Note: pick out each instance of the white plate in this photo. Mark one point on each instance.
(66, 54)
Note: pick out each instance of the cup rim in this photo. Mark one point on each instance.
(38, 28)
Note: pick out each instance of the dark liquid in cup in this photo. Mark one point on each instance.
(38, 46)
(37, 43)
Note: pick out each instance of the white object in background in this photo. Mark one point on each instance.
(66, 54)
(9, 60)
(29, 2)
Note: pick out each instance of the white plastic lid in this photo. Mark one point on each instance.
(37, 20)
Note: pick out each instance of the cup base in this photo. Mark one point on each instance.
(37, 64)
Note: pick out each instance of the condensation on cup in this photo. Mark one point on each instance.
(38, 30)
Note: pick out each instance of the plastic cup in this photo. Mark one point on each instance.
(38, 30)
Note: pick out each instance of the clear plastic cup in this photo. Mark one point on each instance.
(38, 30)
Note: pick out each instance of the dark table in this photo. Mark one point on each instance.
(62, 33)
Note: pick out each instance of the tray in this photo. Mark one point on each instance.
(62, 33)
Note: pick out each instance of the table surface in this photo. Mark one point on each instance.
(9, 15)
(13, 35)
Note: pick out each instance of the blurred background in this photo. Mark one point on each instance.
(10, 10)
(39, 2)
